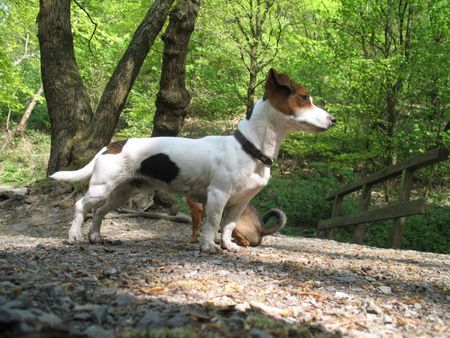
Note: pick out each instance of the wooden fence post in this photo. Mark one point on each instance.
(337, 206)
(358, 233)
(404, 195)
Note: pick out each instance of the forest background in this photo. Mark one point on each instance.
(381, 67)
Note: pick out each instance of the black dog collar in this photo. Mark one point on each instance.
(250, 149)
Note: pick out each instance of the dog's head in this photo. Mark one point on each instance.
(295, 104)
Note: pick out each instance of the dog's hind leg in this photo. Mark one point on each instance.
(78, 219)
(117, 198)
(82, 207)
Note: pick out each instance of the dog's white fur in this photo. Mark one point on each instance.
(213, 170)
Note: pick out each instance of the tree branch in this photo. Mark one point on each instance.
(92, 21)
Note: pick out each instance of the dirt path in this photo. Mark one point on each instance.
(149, 282)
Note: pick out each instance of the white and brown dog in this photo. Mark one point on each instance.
(223, 172)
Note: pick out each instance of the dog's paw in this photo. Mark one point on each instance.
(231, 246)
(75, 237)
(95, 237)
(209, 247)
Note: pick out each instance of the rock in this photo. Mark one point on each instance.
(95, 331)
(125, 299)
(19, 227)
(100, 313)
(7, 285)
(362, 334)
(58, 292)
(236, 323)
(387, 319)
(371, 307)
(27, 318)
(179, 320)
(12, 192)
(150, 319)
(85, 307)
(50, 319)
(341, 295)
(257, 333)
(83, 316)
(111, 272)
(346, 279)
(385, 289)
(269, 310)
(14, 304)
(242, 307)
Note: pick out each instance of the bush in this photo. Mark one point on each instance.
(25, 160)
(302, 198)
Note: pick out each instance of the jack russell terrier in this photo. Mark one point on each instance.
(250, 227)
(222, 172)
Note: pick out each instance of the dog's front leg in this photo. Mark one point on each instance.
(215, 204)
(228, 224)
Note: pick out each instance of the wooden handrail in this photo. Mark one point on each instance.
(433, 156)
(391, 211)
(397, 211)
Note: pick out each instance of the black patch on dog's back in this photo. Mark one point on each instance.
(159, 166)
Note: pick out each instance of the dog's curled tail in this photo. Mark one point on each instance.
(77, 175)
(281, 221)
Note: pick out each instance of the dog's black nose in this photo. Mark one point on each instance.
(333, 119)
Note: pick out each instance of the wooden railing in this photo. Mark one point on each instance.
(403, 207)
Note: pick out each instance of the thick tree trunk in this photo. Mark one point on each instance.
(173, 98)
(67, 99)
(102, 126)
(77, 133)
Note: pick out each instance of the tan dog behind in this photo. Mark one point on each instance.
(250, 227)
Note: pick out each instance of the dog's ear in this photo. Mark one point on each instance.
(277, 82)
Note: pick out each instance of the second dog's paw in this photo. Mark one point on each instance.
(209, 247)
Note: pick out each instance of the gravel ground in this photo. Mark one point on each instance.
(148, 281)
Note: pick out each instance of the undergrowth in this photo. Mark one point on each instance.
(24, 160)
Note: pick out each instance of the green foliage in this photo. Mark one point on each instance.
(388, 89)
(25, 161)
(428, 232)
(300, 197)
(19, 62)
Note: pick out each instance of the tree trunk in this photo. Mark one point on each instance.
(173, 98)
(77, 133)
(67, 99)
(251, 86)
(28, 110)
(103, 124)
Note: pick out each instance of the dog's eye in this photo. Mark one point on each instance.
(304, 97)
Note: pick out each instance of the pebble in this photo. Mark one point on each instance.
(341, 295)
(125, 299)
(347, 279)
(387, 319)
(150, 319)
(257, 333)
(95, 331)
(371, 307)
(385, 289)
(242, 307)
